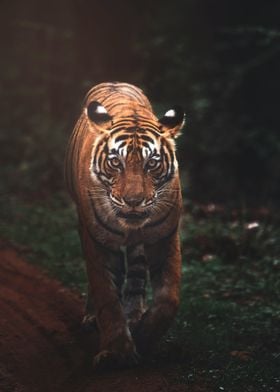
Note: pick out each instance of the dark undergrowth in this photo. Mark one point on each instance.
(226, 335)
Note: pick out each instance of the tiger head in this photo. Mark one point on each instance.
(133, 163)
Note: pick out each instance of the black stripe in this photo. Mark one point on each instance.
(140, 259)
(100, 160)
(122, 137)
(120, 128)
(132, 128)
(146, 145)
(131, 291)
(98, 148)
(154, 132)
(138, 274)
(166, 166)
(171, 153)
(122, 145)
(125, 125)
(147, 138)
(102, 180)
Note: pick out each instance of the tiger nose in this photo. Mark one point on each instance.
(133, 200)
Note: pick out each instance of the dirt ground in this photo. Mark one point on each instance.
(42, 347)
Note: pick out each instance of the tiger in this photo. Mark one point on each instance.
(122, 174)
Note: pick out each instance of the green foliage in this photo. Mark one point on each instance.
(227, 329)
(47, 232)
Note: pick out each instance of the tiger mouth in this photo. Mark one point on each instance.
(133, 215)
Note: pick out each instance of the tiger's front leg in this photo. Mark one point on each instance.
(116, 345)
(165, 273)
(116, 267)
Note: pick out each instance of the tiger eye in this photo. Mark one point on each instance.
(152, 163)
(115, 162)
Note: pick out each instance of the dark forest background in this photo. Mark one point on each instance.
(219, 59)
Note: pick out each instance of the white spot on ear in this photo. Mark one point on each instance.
(101, 110)
(170, 113)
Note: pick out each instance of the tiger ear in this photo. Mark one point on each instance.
(97, 113)
(173, 121)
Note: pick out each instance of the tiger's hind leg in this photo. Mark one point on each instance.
(135, 290)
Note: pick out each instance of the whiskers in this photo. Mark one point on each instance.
(165, 200)
(100, 196)
(103, 202)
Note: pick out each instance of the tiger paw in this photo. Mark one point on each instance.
(89, 323)
(106, 360)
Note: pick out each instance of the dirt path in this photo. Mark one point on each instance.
(41, 346)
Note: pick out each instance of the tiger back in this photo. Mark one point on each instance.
(121, 171)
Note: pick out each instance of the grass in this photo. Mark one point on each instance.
(226, 334)
(47, 232)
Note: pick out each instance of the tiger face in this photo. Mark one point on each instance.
(133, 161)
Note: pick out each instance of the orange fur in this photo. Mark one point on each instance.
(122, 173)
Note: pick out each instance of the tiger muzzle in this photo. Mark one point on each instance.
(134, 200)
(134, 207)
(133, 215)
